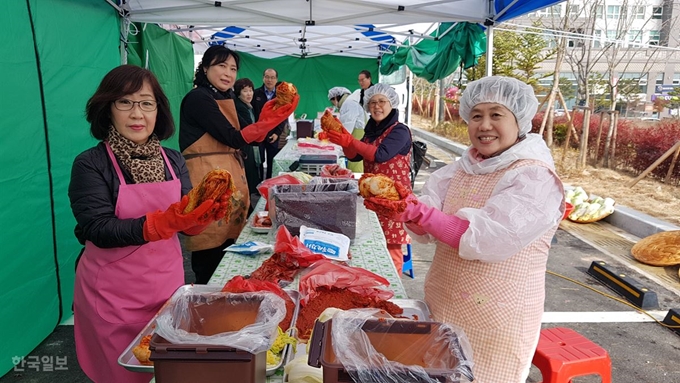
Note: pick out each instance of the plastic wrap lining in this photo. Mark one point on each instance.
(374, 347)
(245, 321)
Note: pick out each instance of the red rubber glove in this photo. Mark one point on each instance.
(164, 224)
(343, 138)
(366, 150)
(221, 207)
(269, 119)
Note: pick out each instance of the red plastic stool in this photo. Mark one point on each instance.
(563, 354)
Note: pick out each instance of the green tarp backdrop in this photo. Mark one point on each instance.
(313, 76)
(53, 56)
(47, 78)
(170, 57)
(460, 44)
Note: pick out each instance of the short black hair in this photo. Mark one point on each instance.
(242, 83)
(275, 72)
(216, 54)
(120, 82)
(366, 73)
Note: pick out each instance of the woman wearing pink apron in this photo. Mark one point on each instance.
(125, 195)
(385, 149)
(493, 214)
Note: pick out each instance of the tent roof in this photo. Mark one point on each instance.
(271, 28)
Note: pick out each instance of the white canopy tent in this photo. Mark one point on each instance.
(271, 28)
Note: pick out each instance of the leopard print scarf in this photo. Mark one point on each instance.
(144, 162)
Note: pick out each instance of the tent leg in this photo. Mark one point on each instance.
(489, 50)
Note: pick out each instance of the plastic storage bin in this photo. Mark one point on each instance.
(196, 363)
(396, 340)
(305, 128)
(330, 207)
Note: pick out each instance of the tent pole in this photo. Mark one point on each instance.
(489, 50)
(124, 30)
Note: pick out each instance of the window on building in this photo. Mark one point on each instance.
(659, 79)
(676, 79)
(613, 12)
(554, 11)
(551, 40)
(654, 37)
(635, 36)
(574, 10)
(597, 39)
(633, 82)
(657, 12)
(599, 11)
(637, 11)
(575, 41)
(611, 37)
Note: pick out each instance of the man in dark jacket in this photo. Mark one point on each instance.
(270, 146)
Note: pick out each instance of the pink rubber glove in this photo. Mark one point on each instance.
(421, 218)
(446, 228)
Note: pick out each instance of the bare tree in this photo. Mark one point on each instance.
(605, 41)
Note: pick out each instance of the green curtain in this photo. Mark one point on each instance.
(436, 59)
(170, 57)
(48, 72)
(313, 76)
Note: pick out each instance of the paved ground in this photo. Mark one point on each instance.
(641, 351)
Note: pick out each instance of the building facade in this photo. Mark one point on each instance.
(632, 43)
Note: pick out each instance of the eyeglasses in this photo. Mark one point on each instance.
(124, 105)
(372, 104)
(270, 77)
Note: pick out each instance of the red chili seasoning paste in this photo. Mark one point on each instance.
(339, 298)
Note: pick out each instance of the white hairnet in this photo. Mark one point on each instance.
(513, 94)
(383, 89)
(338, 91)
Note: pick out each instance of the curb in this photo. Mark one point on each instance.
(634, 222)
(442, 142)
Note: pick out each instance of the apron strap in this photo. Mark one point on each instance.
(167, 163)
(115, 164)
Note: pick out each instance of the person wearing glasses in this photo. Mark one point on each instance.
(270, 146)
(210, 137)
(126, 196)
(384, 149)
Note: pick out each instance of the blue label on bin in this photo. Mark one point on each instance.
(323, 248)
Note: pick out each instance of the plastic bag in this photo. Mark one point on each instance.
(294, 252)
(239, 284)
(290, 255)
(325, 273)
(335, 171)
(399, 351)
(246, 321)
(284, 179)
